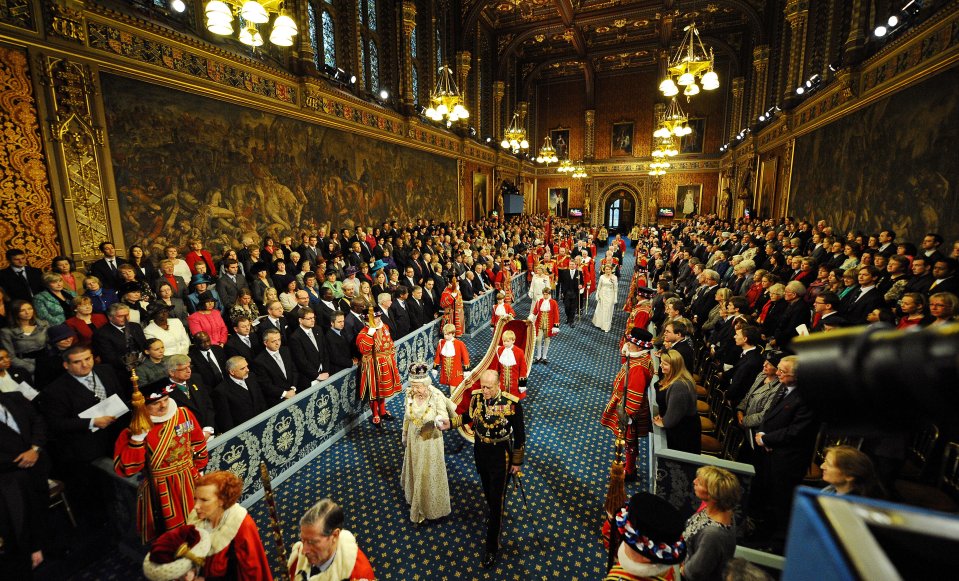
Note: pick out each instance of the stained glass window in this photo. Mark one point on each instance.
(329, 40)
(416, 84)
(439, 49)
(413, 42)
(371, 14)
(311, 12)
(373, 73)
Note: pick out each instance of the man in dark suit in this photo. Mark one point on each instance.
(676, 333)
(119, 339)
(571, 283)
(310, 250)
(275, 371)
(385, 301)
(417, 309)
(355, 321)
(243, 341)
(20, 280)
(705, 297)
(409, 278)
(326, 308)
(106, 268)
(749, 364)
(863, 300)
(24, 493)
(308, 350)
(230, 283)
(209, 361)
(339, 352)
(944, 275)
(191, 391)
(238, 397)
(784, 443)
(274, 320)
(467, 288)
(400, 313)
(293, 317)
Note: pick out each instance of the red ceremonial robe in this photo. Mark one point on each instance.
(237, 551)
(509, 311)
(453, 309)
(638, 371)
(509, 376)
(379, 373)
(451, 368)
(178, 448)
(546, 320)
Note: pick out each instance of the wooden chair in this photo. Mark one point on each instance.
(58, 497)
(919, 453)
(710, 419)
(735, 439)
(714, 445)
(825, 440)
(944, 494)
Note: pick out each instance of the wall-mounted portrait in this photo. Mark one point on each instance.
(693, 143)
(622, 139)
(688, 199)
(480, 195)
(558, 201)
(768, 172)
(560, 139)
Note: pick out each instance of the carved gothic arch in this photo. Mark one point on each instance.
(640, 197)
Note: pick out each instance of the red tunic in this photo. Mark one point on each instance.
(639, 371)
(250, 561)
(589, 275)
(561, 263)
(509, 376)
(451, 368)
(509, 311)
(453, 313)
(639, 317)
(178, 448)
(379, 373)
(546, 320)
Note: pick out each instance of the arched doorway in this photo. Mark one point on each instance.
(619, 212)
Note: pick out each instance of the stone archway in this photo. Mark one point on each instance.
(621, 189)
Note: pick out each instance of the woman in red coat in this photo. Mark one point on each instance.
(545, 317)
(510, 362)
(236, 551)
(451, 357)
(501, 309)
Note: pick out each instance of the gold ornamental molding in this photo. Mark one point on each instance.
(609, 168)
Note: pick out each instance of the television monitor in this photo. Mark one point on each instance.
(666, 213)
(575, 212)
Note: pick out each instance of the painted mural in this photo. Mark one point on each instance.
(186, 166)
(893, 164)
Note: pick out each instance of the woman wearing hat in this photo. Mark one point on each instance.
(424, 478)
(710, 533)
(676, 398)
(651, 531)
(236, 551)
(207, 318)
(176, 461)
(168, 329)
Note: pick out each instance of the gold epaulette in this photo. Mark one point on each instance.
(510, 396)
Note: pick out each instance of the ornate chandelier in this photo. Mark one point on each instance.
(547, 153)
(673, 122)
(665, 148)
(575, 171)
(221, 14)
(446, 103)
(579, 172)
(658, 168)
(692, 62)
(514, 138)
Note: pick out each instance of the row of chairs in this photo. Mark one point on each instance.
(721, 436)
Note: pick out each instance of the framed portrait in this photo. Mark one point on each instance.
(693, 143)
(560, 139)
(622, 139)
(688, 199)
(558, 201)
(480, 195)
(768, 172)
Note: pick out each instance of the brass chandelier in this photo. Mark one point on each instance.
(691, 63)
(673, 122)
(547, 153)
(514, 138)
(574, 170)
(446, 103)
(249, 14)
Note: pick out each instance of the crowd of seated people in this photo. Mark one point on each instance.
(732, 297)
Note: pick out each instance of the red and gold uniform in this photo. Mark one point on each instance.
(638, 319)
(451, 366)
(453, 314)
(589, 275)
(630, 391)
(506, 308)
(379, 374)
(509, 375)
(545, 320)
(178, 453)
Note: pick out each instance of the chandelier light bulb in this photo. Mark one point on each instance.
(250, 36)
(685, 79)
(691, 89)
(504, 144)
(710, 81)
(880, 31)
(661, 133)
(178, 5)
(442, 109)
(893, 21)
(431, 113)
(524, 144)
(254, 12)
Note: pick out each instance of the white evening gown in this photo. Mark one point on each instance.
(424, 477)
(606, 302)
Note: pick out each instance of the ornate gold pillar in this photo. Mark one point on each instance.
(797, 12)
(760, 79)
(85, 197)
(499, 89)
(463, 62)
(854, 48)
(409, 24)
(358, 50)
(736, 119)
(589, 138)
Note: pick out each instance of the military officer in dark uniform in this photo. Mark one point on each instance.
(500, 441)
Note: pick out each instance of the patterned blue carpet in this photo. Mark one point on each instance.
(565, 476)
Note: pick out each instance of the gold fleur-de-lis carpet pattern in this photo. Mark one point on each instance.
(555, 535)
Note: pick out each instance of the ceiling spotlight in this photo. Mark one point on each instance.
(893, 21)
(178, 5)
(352, 79)
(800, 90)
(762, 117)
(384, 94)
(880, 31)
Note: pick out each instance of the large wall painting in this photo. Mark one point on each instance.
(893, 164)
(185, 165)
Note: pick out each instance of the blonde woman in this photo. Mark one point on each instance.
(711, 532)
(676, 399)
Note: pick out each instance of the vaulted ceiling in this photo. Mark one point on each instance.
(549, 39)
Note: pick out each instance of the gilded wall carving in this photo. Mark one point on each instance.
(186, 165)
(26, 213)
(18, 13)
(892, 164)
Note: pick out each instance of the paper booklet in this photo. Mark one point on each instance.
(112, 406)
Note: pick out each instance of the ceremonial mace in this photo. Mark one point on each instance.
(141, 423)
(615, 496)
(276, 526)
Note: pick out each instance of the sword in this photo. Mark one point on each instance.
(517, 481)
